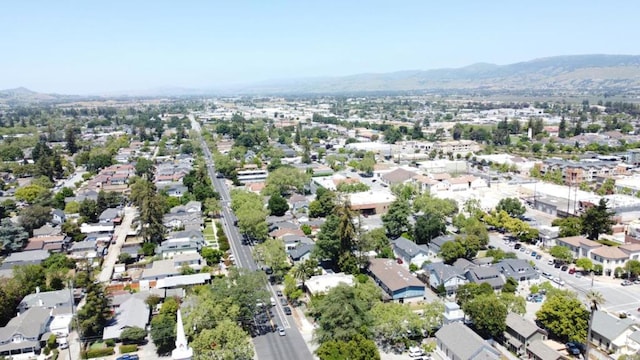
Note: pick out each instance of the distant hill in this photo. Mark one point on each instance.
(564, 75)
(571, 74)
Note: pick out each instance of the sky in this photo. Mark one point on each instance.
(100, 47)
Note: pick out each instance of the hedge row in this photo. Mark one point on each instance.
(128, 348)
(94, 353)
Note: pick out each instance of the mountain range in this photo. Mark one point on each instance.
(574, 74)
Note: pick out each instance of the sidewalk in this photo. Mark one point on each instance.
(305, 327)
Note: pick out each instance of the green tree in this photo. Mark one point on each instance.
(358, 348)
(489, 315)
(89, 210)
(151, 207)
(396, 220)
(327, 242)
(271, 252)
(12, 237)
(60, 196)
(70, 138)
(393, 323)
(305, 270)
(512, 206)
(133, 335)
(570, 226)
(564, 316)
(470, 291)
(342, 316)
(632, 268)
(597, 220)
(510, 286)
(94, 315)
(34, 216)
(346, 233)
(31, 193)
(561, 253)
(324, 203)
(226, 341)
(428, 227)
(163, 333)
(285, 180)
(451, 251)
(145, 168)
(514, 303)
(211, 255)
(277, 205)
(585, 263)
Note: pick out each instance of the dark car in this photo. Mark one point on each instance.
(571, 349)
(557, 265)
(284, 302)
(287, 310)
(564, 268)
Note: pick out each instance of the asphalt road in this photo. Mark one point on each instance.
(270, 346)
(618, 298)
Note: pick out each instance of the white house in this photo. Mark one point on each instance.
(321, 284)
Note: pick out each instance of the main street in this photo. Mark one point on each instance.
(271, 345)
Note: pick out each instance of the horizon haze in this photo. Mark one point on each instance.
(119, 47)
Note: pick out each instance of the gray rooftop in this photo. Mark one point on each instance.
(132, 312)
(543, 351)
(34, 256)
(300, 251)
(609, 326)
(487, 275)
(46, 299)
(471, 347)
(29, 325)
(521, 325)
(408, 249)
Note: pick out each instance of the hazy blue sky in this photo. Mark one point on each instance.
(102, 46)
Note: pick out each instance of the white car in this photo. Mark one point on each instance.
(415, 351)
(281, 331)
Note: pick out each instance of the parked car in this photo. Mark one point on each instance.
(283, 301)
(415, 351)
(564, 268)
(572, 271)
(572, 349)
(550, 262)
(287, 310)
(626, 283)
(547, 275)
(538, 257)
(279, 293)
(517, 246)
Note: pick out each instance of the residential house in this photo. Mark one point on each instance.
(24, 258)
(58, 217)
(321, 284)
(181, 242)
(397, 282)
(519, 269)
(489, 275)
(47, 230)
(298, 202)
(192, 207)
(174, 189)
(97, 228)
(441, 274)
(49, 243)
(180, 281)
(614, 335)
(520, 333)
(81, 250)
(134, 312)
(61, 300)
(301, 252)
(183, 220)
(161, 269)
(410, 252)
(458, 342)
(111, 215)
(539, 350)
(292, 241)
(24, 333)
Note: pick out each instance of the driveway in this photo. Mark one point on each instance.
(114, 250)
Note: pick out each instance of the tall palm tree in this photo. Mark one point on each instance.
(595, 299)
